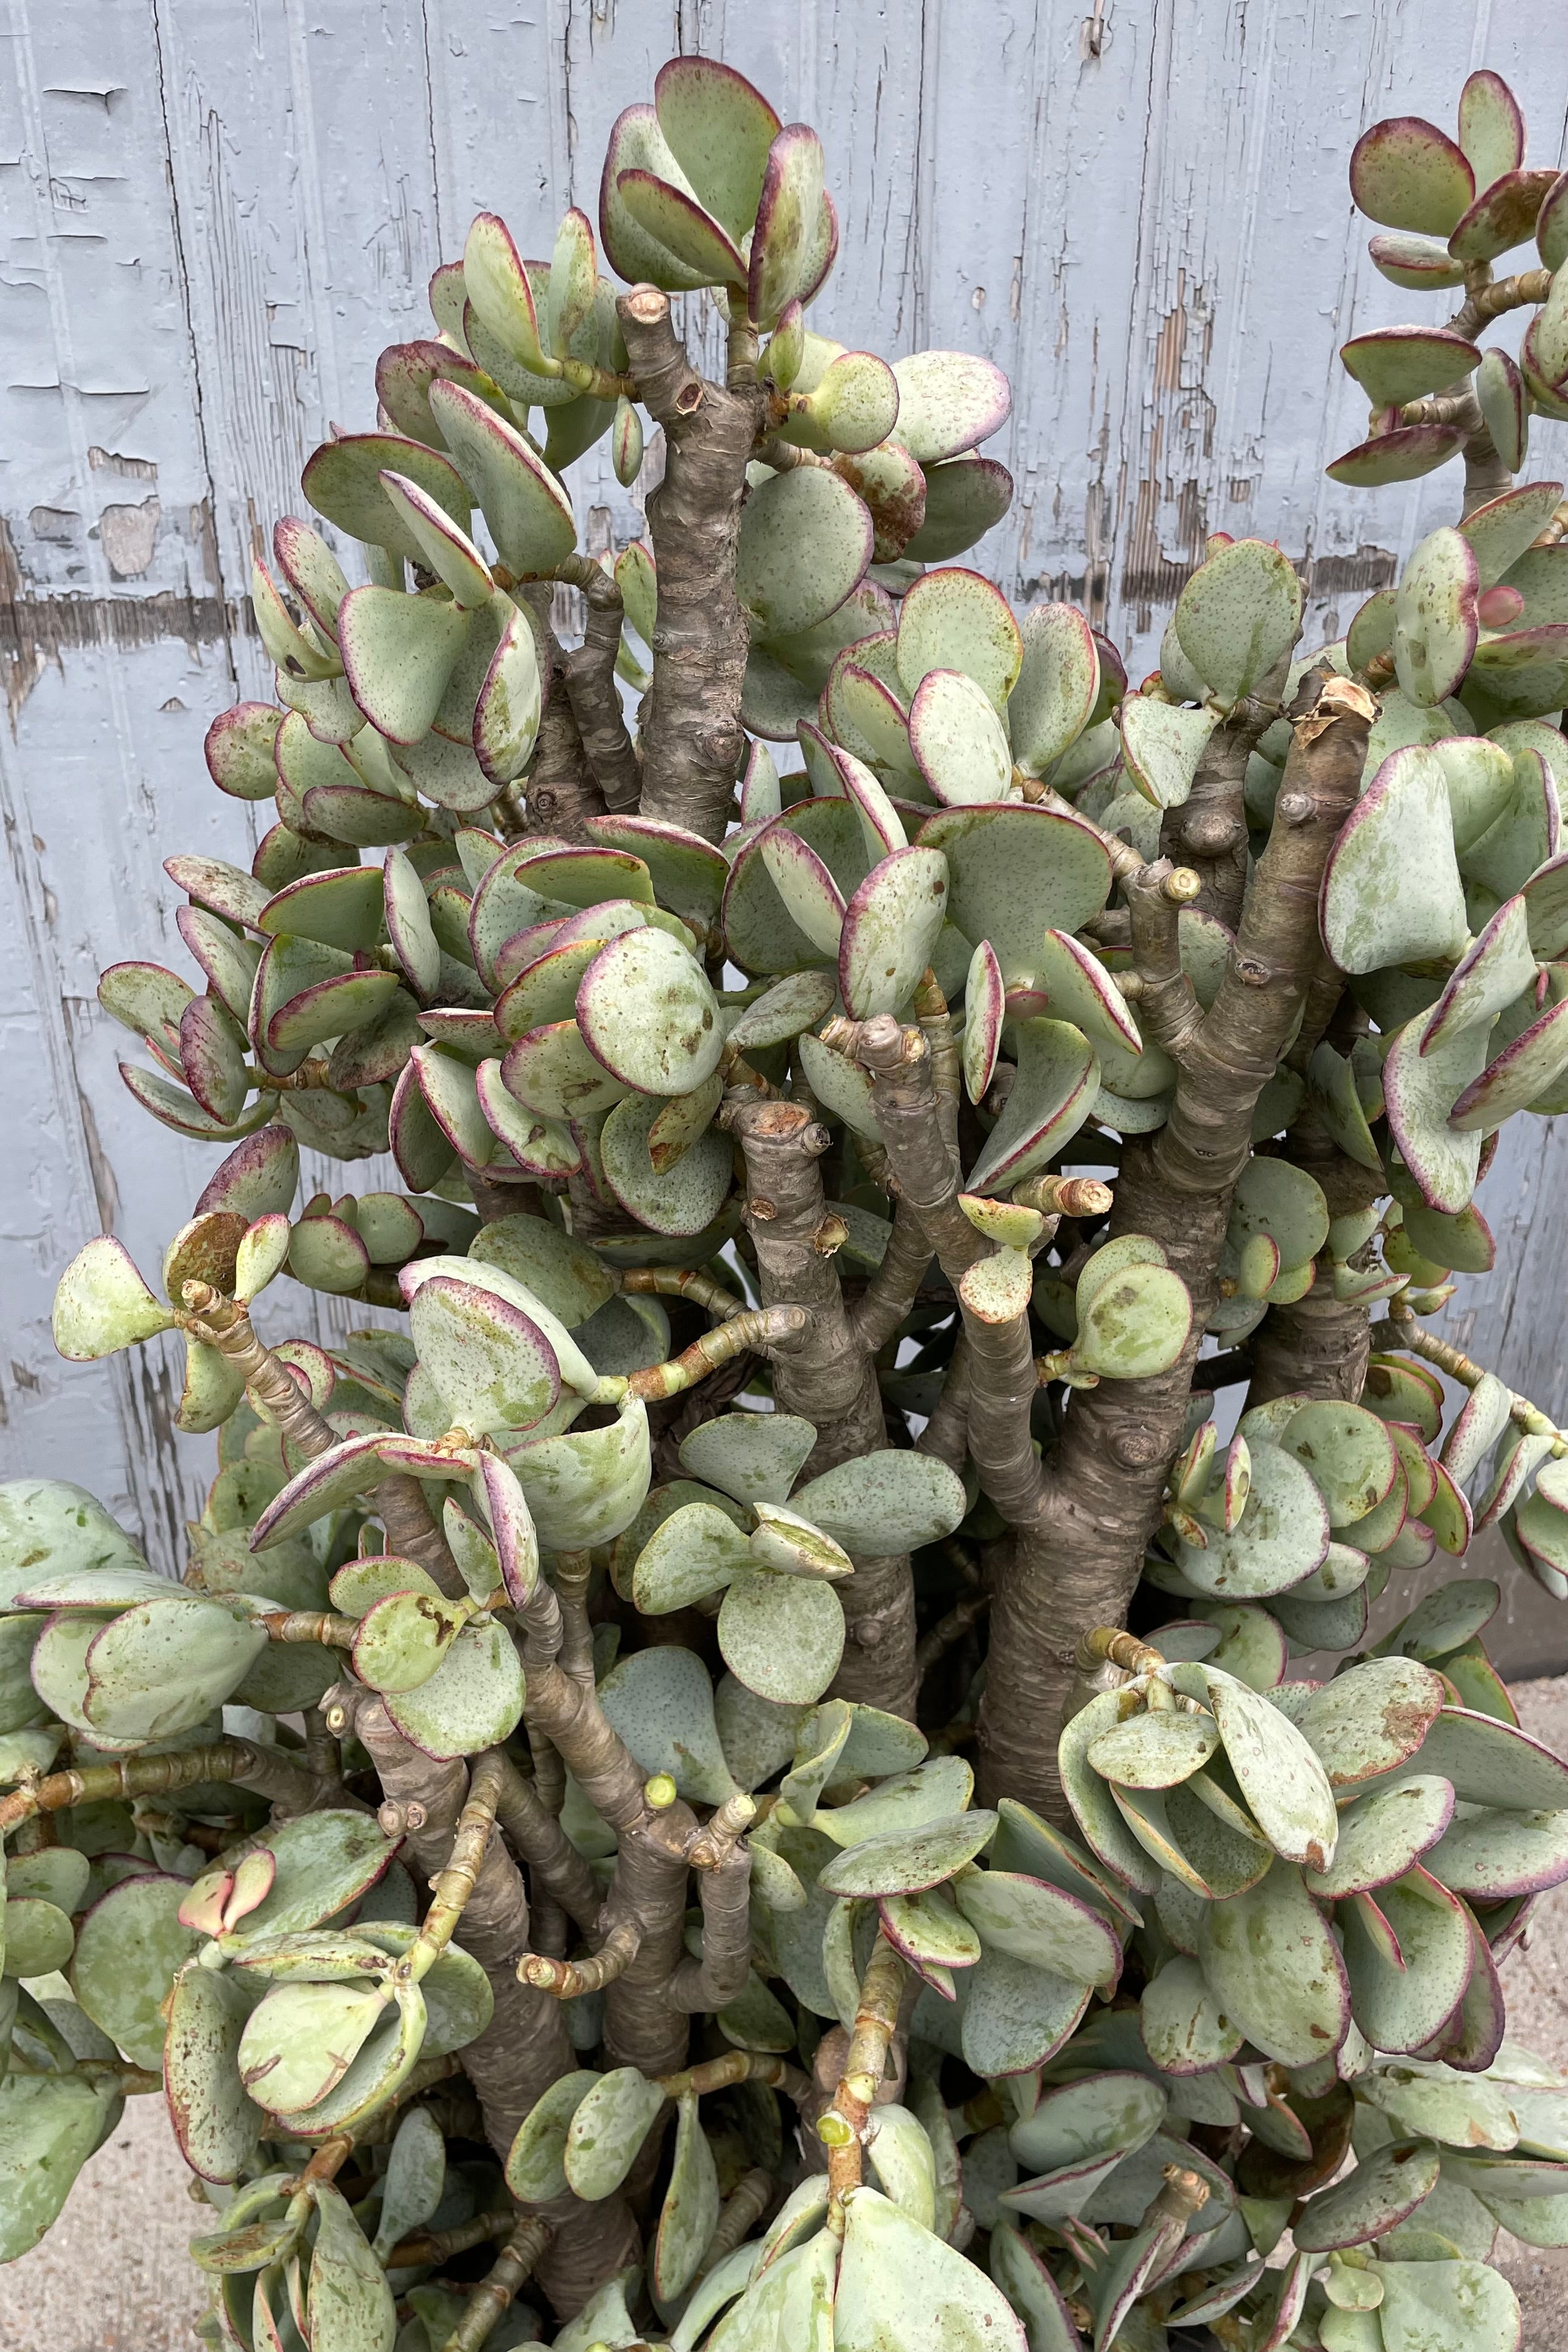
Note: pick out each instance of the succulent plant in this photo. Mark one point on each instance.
(836, 1199)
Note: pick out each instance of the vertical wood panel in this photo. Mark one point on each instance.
(217, 212)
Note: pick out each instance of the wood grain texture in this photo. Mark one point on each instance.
(217, 212)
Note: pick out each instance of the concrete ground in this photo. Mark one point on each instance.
(113, 2276)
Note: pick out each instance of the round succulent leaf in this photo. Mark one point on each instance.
(527, 508)
(782, 1637)
(963, 499)
(493, 1367)
(1503, 215)
(473, 1701)
(1278, 1772)
(128, 1949)
(806, 541)
(784, 1541)
(552, 1072)
(645, 1010)
(1184, 2029)
(678, 1200)
(1015, 870)
(1408, 1955)
(1516, 1077)
(608, 2126)
(1058, 685)
(342, 481)
(755, 1458)
(1406, 173)
(1421, 1093)
(445, 548)
(1491, 1857)
(1028, 1919)
(952, 619)
(1435, 624)
(1372, 1718)
(1493, 973)
(1240, 611)
(1384, 2189)
(930, 1930)
(1051, 1097)
(948, 401)
(162, 1666)
(300, 2040)
(887, 1501)
(1281, 1538)
(1392, 892)
(1350, 1454)
(1274, 1970)
(1135, 1326)
(696, 1551)
(1402, 454)
(985, 1011)
(215, 2121)
(1382, 1833)
(101, 1303)
(585, 1487)
(1014, 2016)
(1154, 1750)
(958, 742)
(1089, 1795)
(660, 1702)
(795, 1002)
(399, 653)
(932, 1791)
(1396, 364)
(535, 2168)
(903, 1862)
(840, 1086)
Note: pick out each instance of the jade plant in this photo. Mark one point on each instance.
(784, 1746)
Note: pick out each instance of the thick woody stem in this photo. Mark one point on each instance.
(878, 1314)
(843, 2126)
(590, 677)
(1077, 1567)
(737, 2067)
(1001, 1368)
(1403, 1331)
(427, 2248)
(720, 1977)
(769, 1330)
(683, 1282)
(265, 1770)
(830, 1379)
(566, 1978)
(554, 1863)
(946, 1433)
(744, 2206)
(225, 1324)
(562, 793)
(454, 1885)
(1489, 302)
(1168, 1006)
(309, 1625)
(490, 2302)
(1208, 832)
(693, 742)
(525, 2047)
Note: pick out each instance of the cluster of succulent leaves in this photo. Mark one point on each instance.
(1271, 1939)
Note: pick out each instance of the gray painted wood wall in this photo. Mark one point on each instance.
(217, 212)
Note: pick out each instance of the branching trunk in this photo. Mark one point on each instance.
(693, 742)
